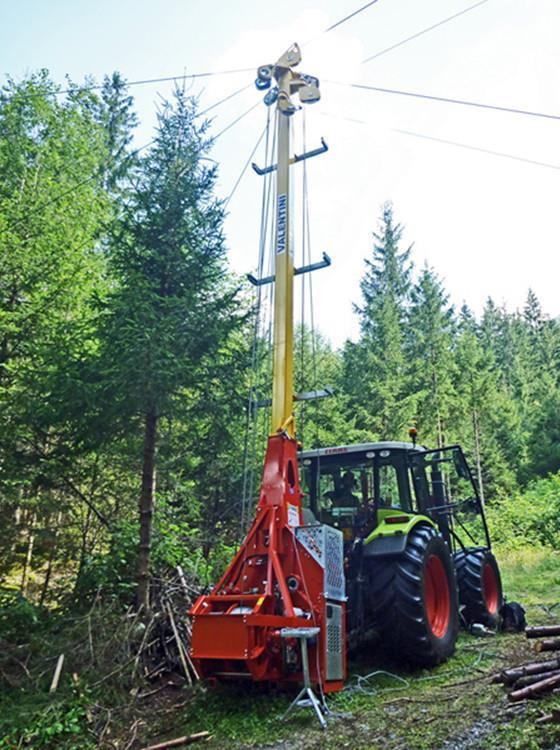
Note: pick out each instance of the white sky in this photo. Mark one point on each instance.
(488, 225)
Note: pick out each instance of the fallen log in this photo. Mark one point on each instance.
(551, 718)
(549, 644)
(187, 740)
(510, 676)
(544, 686)
(542, 631)
(532, 678)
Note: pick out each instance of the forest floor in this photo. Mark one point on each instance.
(453, 707)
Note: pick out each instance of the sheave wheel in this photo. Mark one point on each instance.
(480, 586)
(413, 600)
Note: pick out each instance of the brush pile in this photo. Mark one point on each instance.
(166, 641)
(537, 678)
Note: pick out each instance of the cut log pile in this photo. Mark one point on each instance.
(537, 678)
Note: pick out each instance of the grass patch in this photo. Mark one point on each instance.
(531, 575)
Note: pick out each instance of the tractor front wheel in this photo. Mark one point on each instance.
(413, 600)
(480, 586)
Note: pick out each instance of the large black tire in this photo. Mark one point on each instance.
(413, 600)
(480, 586)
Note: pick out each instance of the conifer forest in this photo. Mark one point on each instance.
(131, 446)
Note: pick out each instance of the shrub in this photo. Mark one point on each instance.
(531, 517)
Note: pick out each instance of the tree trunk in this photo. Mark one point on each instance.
(509, 676)
(52, 554)
(28, 557)
(544, 686)
(146, 507)
(541, 631)
(477, 455)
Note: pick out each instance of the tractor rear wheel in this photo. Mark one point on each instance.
(413, 600)
(480, 586)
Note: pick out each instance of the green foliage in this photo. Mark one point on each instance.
(54, 726)
(110, 572)
(18, 616)
(527, 518)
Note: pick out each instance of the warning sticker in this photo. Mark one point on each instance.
(293, 515)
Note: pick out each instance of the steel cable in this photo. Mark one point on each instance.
(423, 31)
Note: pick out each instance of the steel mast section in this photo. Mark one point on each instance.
(285, 575)
(283, 341)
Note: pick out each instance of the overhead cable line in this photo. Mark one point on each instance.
(266, 233)
(450, 143)
(142, 82)
(448, 100)
(338, 23)
(236, 185)
(424, 31)
(237, 119)
(225, 99)
(349, 16)
(478, 148)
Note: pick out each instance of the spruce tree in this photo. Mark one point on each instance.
(430, 333)
(173, 307)
(375, 371)
(485, 420)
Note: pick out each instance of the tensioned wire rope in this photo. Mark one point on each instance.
(250, 442)
(306, 260)
(423, 31)
(447, 100)
(98, 86)
(445, 141)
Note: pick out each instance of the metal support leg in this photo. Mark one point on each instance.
(306, 698)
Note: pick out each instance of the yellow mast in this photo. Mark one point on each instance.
(288, 82)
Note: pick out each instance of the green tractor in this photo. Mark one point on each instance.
(417, 552)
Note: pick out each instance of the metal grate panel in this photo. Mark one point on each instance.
(334, 564)
(325, 545)
(334, 643)
(312, 538)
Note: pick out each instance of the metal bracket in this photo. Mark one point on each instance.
(303, 396)
(297, 271)
(312, 395)
(296, 157)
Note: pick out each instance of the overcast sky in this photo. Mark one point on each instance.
(487, 224)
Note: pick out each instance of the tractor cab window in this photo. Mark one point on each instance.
(443, 477)
(392, 489)
(447, 492)
(342, 490)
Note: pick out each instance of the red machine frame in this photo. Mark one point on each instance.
(272, 583)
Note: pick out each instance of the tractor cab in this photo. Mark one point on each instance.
(372, 489)
(414, 530)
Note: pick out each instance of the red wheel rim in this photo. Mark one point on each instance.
(436, 591)
(490, 588)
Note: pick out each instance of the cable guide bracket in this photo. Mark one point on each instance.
(325, 392)
(323, 148)
(325, 263)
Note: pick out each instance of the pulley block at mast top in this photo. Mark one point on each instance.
(289, 82)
